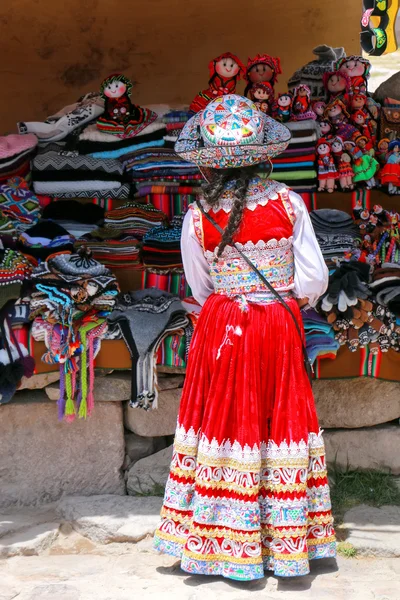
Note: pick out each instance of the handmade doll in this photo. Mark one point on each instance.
(121, 117)
(225, 72)
(302, 104)
(336, 112)
(337, 85)
(359, 119)
(382, 151)
(390, 174)
(319, 107)
(358, 102)
(283, 107)
(343, 163)
(365, 166)
(357, 68)
(262, 68)
(262, 94)
(327, 173)
(326, 128)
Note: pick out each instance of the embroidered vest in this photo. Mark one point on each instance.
(265, 236)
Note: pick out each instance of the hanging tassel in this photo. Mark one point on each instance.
(83, 407)
(61, 400)
(70, 410)
(90, 397)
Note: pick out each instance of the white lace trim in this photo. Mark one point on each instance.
(250, 247)
(229, 450)
(259, 193)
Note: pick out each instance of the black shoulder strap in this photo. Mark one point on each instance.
(270, 288)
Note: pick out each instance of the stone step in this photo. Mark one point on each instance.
(352, 403)
(106, 519)
(29, 542)
(366, 448)
(373, 531)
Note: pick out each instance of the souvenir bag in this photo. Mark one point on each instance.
(307, 362)
(390, 121)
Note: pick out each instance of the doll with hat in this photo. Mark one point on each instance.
(262, 68)
(327, 172)
(365, 165)
(319, 107)
(382, 151)
(343, 163)
(224, 71)
(121, 117)
(302, 104)
(357, 69)
(390, 173)
(262, 94)
(336, 112)
(359, 119)
(283, 107)
(337, 85)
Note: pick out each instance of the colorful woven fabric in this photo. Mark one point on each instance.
(19, 204)
(135, 218)
(174, 283)
(161, 246)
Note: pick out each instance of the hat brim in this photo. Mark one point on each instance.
(188, 146)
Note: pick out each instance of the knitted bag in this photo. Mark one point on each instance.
(390, 121)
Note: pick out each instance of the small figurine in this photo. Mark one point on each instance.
(302, 104)
(337, 85)
(319, 107)
(327, 173)
(382, 151)
(359, 119)
(262, 94)
(225, 71)
(336, 112)
(121, 117)
(358, 102)
(326, 128)
(283, 107)
(357, 68)
(343, 164)
(365, 165)
(262, 68)
(390, 174)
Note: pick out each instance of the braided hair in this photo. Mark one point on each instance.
(213, 189)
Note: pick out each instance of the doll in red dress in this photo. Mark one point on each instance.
(262, 68)
(327, 172)
(225, 72)
(357, 68)
(262, 94)
(343, 163)
(302, 104)
(121, 117)
(337, 85)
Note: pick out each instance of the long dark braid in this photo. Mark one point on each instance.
(213, 189)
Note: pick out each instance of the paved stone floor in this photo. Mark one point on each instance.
(128, 572)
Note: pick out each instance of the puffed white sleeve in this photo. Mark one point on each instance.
(194, 262)
(311, 273)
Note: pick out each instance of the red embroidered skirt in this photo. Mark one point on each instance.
(248, 488)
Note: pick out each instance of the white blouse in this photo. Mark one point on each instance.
(311, 273)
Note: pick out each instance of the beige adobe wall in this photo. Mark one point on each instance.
(51, 51)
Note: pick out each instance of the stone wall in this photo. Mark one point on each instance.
(120, 450)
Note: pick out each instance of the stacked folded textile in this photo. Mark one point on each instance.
(336, 233)
(146, 318)
(172, 282)
(134, 218)
(65, 121)
(297, 165)
(161, 246)
(56, 171)
(44, 239)
(18, 206)
(78, 219)
(114, 249)
(104, 145)
(149, 163)
(73, 296)
(320, 336)
(16, 152)
(175, 122)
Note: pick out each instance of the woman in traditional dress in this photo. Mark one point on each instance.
(248, 489)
